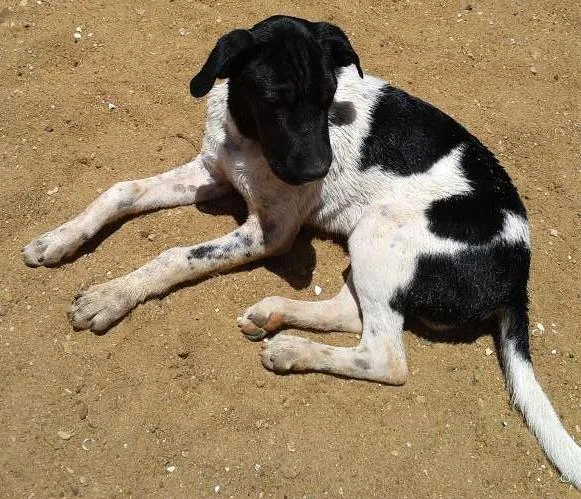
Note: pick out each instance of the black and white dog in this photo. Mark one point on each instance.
(435, 227)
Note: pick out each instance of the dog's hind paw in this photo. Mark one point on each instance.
(286, 353)
(262, 319)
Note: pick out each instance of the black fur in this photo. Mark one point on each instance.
(408, 136)
(282, 83)
(468, 287)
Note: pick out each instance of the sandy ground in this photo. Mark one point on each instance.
(173, 402)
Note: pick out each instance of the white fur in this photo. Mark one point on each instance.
(530, 398)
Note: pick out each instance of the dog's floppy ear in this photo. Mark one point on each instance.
(222, 62)
(336, 44)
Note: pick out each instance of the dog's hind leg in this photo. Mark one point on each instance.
(340, 313)
(193, 182)
(380, 266)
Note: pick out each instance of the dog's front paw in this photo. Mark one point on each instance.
(286, 353)
(51, 248)
(263, 318)
(100, 307)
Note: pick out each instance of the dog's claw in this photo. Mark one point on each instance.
(250, 329)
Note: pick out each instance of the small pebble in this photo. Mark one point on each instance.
(65, 435)
(257, 467)
(504, 424)
(87, 443)
(554, 351)
(151, 237)
(318, 290)
(111, 106)
(82, 410)
(77, 36)
(394, 453)
(216, 489)
(488, 352)
(533, 70)
(170, 468)
(554, 232)
(48, 128)
(53, 191)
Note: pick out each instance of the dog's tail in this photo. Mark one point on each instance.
(529, 397)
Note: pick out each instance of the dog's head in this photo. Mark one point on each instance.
(282, 83)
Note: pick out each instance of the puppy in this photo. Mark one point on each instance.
(435, 227)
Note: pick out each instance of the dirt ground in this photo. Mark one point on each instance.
(173, 402)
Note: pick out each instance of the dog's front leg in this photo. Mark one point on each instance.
(193, 182)
(99, 307)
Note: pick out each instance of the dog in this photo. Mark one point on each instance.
(435, 227)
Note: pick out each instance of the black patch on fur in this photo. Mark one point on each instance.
(210, 252)
(342, 113)
(247, 240)
(467, 287)
(408, 136)
(478, 216)
(179, 188)
(362, 363)
(125, 203)
(244, 239)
